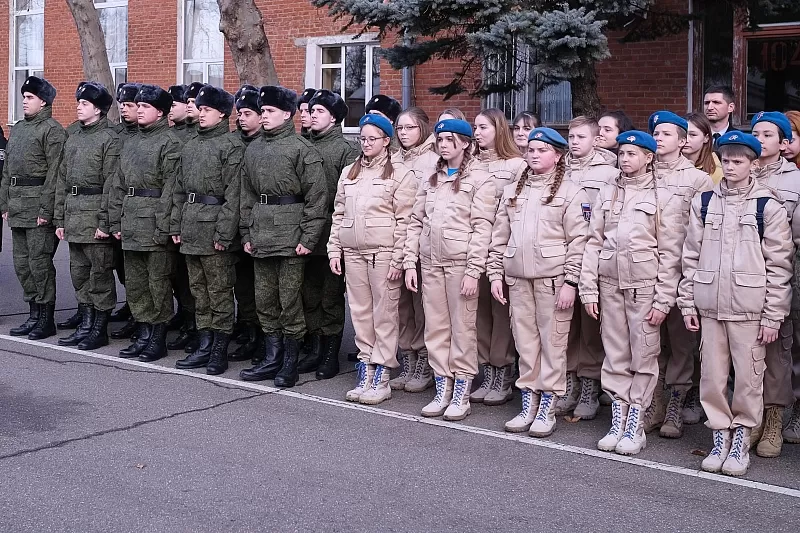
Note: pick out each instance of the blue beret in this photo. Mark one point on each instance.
(667, 117)
(743, 139)
(453, 125)
(779, 119)
(382, 123)
(638, 138)
(549, 136)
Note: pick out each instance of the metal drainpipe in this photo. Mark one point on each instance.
(407, 80)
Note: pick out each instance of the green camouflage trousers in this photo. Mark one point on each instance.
(92, 269)
(323, 298)
(245, 289)
(211, 279)
(33, 262)
(180, 285)
(147, 283)
(279, 282)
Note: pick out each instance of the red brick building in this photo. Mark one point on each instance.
(164, 41)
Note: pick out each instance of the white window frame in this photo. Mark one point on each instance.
(12, 62)
(182, 61)
(114, 66)
(314, 64)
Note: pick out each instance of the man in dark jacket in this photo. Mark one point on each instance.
(27, 198)
(87, 171)
(205, 223)
(283, 212)
(140, 217)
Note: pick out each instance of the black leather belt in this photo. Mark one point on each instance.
(194, 198)
(147, 193)
(281, 200)
(26, 182)
(84, 191)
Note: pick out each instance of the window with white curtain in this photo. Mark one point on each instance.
(27, 43)
(352, 71)
(114, 22)
(203, 43)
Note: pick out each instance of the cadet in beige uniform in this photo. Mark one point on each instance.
(371, 213)
(417, 151)
(537, 244)
(449, 233)
(683, 180)
(591, 168)
(736, 268)
(631, 266)
(774, 132)
(496, 354)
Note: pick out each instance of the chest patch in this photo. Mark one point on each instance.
(587, 212)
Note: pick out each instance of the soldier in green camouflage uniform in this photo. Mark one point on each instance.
(205, 222)
(248, 128)
(323, 292)
(192, 113)
(140, 216)
(283, 212)
(87, 171)
(305, 111)
(177, 114)
(27, 196)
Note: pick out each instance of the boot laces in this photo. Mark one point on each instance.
(362, 374)
(794, 421)
(693, 400)
(632, 425)
(526, 402)
(544, 406)
(405, 368)
(773, 426)
(587, 386)
(737, 448)
(458, 391)
(674, 408)
(441, 384)
(499, 379)
(487, 378)
(377, 379)
(616, 418)
(719, 442)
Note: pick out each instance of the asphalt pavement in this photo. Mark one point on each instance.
(89, 442)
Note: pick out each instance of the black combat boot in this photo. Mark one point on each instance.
(218, 363)
(29, 324)
(287, 376)
(187, 331)
(200, 357)
(86, 312)
(128, 331)
(142, 338)
(122, 314)
(312, 349)
(157, 347)
(329, 366)
(271, 363)
(98, 337)
(46, 326)
(251, 334)
(74, 321)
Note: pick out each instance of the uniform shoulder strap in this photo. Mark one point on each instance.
(705, 199)
(761, 203)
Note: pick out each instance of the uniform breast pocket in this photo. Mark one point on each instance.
(381, 188)
(748, 228)
(554, 211)
(644, 213)
(464, 195)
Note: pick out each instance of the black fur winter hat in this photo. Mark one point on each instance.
(96, 94)
(215, 98)
(247, 98)
(277, 96)
(178, 93)
(39, 87)
(386, 105)
(330, 101)
(193, 90)
(156, 97)
(306, 96)
(126, 92)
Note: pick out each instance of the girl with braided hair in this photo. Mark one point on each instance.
(496, 148)
(449, 234)
(537, 246)
(630, 270)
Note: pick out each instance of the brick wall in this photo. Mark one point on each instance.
(639, 78)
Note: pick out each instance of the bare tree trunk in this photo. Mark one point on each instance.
(243, 27)
(93, 47)
(585, 99)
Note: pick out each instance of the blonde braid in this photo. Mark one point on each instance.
(521, 185)
(561, 169)
(462, 169)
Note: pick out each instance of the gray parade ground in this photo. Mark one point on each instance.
(90, 442)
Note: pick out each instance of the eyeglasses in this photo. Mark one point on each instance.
(369, 140)
(405, 128)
